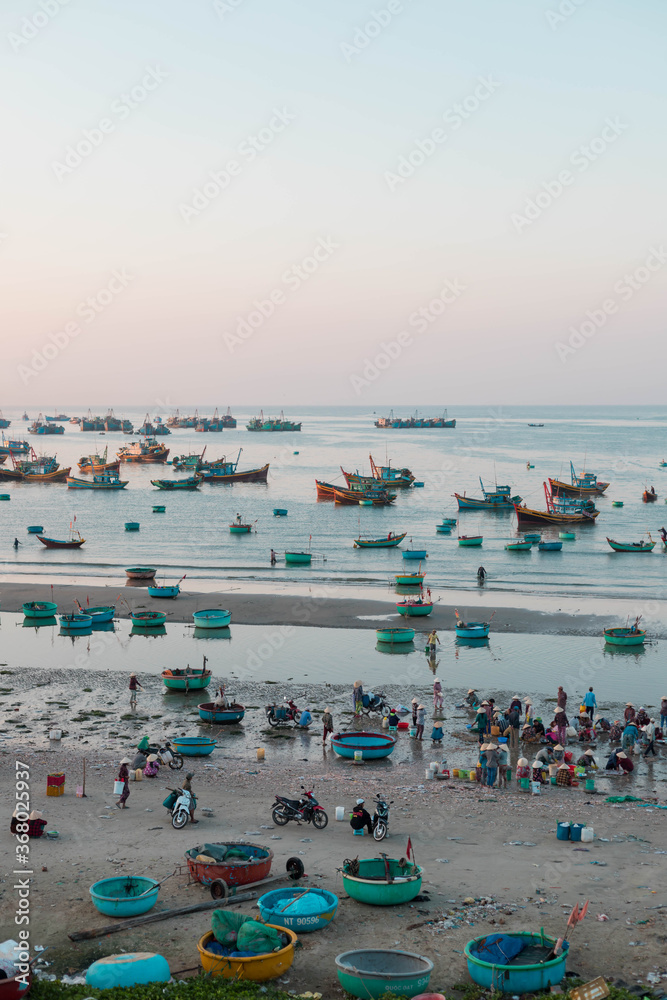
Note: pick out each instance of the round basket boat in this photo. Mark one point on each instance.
(186, 679)
(370, 884)
(39, 609)
(625, 636)
(101, 614)
(124, 897)
(300, 910)
(236, 863)
(370, 972)
(148, 619)
(128, 969)
(257, 968)
(530, 978)
(194, 746)
(76, 623)
(472, 630)
(140, 572)
(371, 745)
(394, 634)
(35, 529)
(212, 618)
(210, 712)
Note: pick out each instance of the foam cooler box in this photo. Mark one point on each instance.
(55, 784)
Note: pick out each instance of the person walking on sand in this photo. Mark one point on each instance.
(561, 698)
(414, 705)
(560, 720)
(438, 699)
(124, 776)
(514, 719)
(133, 685)
(421, 719)
(528, 709)
(327, 724)
(430, 643)
(590, 702)
(649, 733)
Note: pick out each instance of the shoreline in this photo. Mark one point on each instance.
(315, 609)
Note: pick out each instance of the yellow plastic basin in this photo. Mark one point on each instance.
(258, 968)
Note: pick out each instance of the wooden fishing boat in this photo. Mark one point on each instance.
(39, 609)
(409, 579)
(519, 546)
(550, 546)
(414, 423)
(238, 528)
(632, 636)
(381, 475)
(143, 452)
(371, 745)
(140, 572)
(75, 541)
(377, 497)
(192, 483)
(148, 619)
(296, 558)
(262, 423)
(186, 679)
(560, 510)
(98, 463)
(76, 623)
(101, 481)
(641, 546)
(16, 446)
(649, 496)
(210, 712)
(236, 863)
(212, 618)
(391, 541)
(498, 499)
(470, 540)
(579, 486)
(395, 635)
(227, 473)
(472, 630)
(193, 461)
(41, 427)
(414, 608)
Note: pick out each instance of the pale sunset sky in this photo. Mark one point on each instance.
(235, 200)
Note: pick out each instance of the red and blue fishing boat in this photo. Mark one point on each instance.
(498, 499)
(390, 542)
(587, 484)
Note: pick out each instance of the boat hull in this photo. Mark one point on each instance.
(470, 503)
(519, 546)
(55, 543)
(372, 745)
(472, 542)
(209, 712)
(257, 969)
(212, 618)
(415, 554)
(164, 591)
(527, 516)
(395, 635)
(631, 546)
(186, 682)
(177, 484)
(249, 476)
(101, 615)
(409, 579)
(414, 610)
(568, 490)
(39, 609)
(194, 746)
(379, 543)
(298, 558)
(624, 636)
(473, 630)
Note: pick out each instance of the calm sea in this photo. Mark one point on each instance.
(621, 445)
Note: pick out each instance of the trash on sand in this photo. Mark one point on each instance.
(595, 990)
(443, 861)
(602, 917)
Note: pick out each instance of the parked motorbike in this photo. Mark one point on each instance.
(167, 755)
(180, 811)
(381, 818)
(374, 703)
(277, 714)
(303, 810)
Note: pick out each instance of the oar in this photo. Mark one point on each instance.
(294, 899)
(152, 887)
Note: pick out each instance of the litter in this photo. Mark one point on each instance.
(602, 917)
(443, 861)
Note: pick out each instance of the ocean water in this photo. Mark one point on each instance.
(623, 445)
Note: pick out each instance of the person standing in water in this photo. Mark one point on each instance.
(273, 558)
(438, 699)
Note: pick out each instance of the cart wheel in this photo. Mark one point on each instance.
(219, 889)
(295, 868)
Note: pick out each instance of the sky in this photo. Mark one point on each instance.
(406, 201)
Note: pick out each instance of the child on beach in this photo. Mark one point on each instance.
(327, 724)
(133, 685)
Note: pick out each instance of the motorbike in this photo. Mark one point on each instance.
(277, 714)
(304, 810)
(374, 703)
(180, 811)
(167, 755)
(381, 818)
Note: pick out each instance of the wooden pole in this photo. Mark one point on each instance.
(84, 779)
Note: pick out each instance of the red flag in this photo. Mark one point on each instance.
(408, 850)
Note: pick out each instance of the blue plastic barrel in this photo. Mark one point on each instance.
(575, 830)
(563, 832)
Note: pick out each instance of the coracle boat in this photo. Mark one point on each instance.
(140, 572)
(186, 679)
(443, 529)
(100, 615)
(257, 968)
(617, 503)
(569, 536)
(390, 542)
(233, 862)
(296, 558)
(409, 579)
(579, 486)
(164, 590)
(532, 536)
(212, 618)
(148, 619)
(100, 481)
(414, 609)
(415, 554)
(394, 634)
(194, 746)
(641, 546)
(370, 745)
(382, 882)
(239, 528)
(488, 967)
(280, 512)
(210, 712)
(550, 546)
(39, 609)
(560, 510)
(524, 546)
(317, 908)
(192, 483)
(35, 529)
(632, 636)
(370, 973)
(471, 540)
(498, 499)
(132, 525)
(472, 630)
(128, 896)
(76, 623)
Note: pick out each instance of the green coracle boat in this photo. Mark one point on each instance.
(293, 558)
(519, 546)
(370, 973)
(382, 882)
(471, 539)
(395, 634)
(39, 609)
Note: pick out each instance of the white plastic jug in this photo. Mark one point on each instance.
(358, 755)
(435, 767)
(340, 813)
(429, 774)
(587, 834)
(55, 734)
(118, 787)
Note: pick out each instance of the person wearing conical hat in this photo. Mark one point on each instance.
(629, 712)
(421, 720)
(358, 697)
(134, 686)
(492, 761)
(522, 768)
(124, 776)
(414, 705)
(559, 753)
(588, 760)
(564, 776)
(438, 699)
(327, 724)
(479, 725)
(538, 771)
(152, 766)
(472, 701)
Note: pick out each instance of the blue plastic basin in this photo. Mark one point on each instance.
(117, 897)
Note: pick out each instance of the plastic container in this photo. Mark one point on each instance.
(118, 787)
(553, 779)
(435, 766)
(563, 831)
(128, 969)
(455, 772)
(575, 830)
(404, 726)
(55, 734)
(385, 723)
(587, 834)
(509, 773)
(358, 754)
(590, 785)
(428, 774)
(260, 753)
(55, 784)
(340, 813)
(524, 784)
(472, 775)
(413, 730)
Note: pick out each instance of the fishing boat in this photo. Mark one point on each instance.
(148, 619)
(214, 424)
(262, 423)
(415, 608)
(409, 579)
(193, 461)
(641, 546)
(280, 512)
(536, 425)
(415, 554)
(98, 463)
(390, 542)
(532, 536)
(371, 745)
(140, 572)
(471, 540)
(550, 546)
(498, 499)
(586, 484)
(519, 546)
(91, 423)
(39, 609)
(159, 508)
(36, 468)
(18, 446)
(132, 525)
(395, 635)
(414, 423)
(75, 541)
(41, 427)
(560, 510)
(210, 712)
(176, 420)
(380, 881)
(212, 618)
(649, 495)
(383, 475)
(143, 452)
(298, 558)
(187, 679)
(228, 472)
(472, 630)
(617, 503)
(239, 528)
(99, 615)
(76, 623)
(101, 481)
(366, 496)
(192, 483)
(164, 590)
(6, 423)
(631, 635)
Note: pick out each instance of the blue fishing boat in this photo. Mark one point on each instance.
(210, 712)
(191, 483)
(158, 591)
(76, 623)
(587, 484)
(498, 499)
(100, 615)
(279, 512)
(415, 554)
(395, 634)
(132, 525)
(35, 529)
(371, 745)
(550, 546)
(102, 481)
(472, 630)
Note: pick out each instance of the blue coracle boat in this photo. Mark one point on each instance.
(279, 512)
(124, 897)
(210, 712)
(194, 746)
(316, 908)
(372, 745)
(415, 554)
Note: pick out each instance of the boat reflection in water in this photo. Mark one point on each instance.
(212, 633)
(38, 622)
(395, 647)
(149, 631)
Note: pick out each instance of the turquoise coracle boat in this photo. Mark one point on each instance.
(76, 623)
(515, 978)
(371, 745)
(382, 883)
(212, 618)
(394, 634)
(210, 712)
(414, 609)
(124, 897)
(194, 746)
(300, 910)
(40, 609)
(372, 972)
(100, 615)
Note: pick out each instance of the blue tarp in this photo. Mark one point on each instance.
(499, 949)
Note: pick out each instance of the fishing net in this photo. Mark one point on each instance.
(257, 938)
(226, 925)
(351, 867)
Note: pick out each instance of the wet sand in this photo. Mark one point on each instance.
(318, 609)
